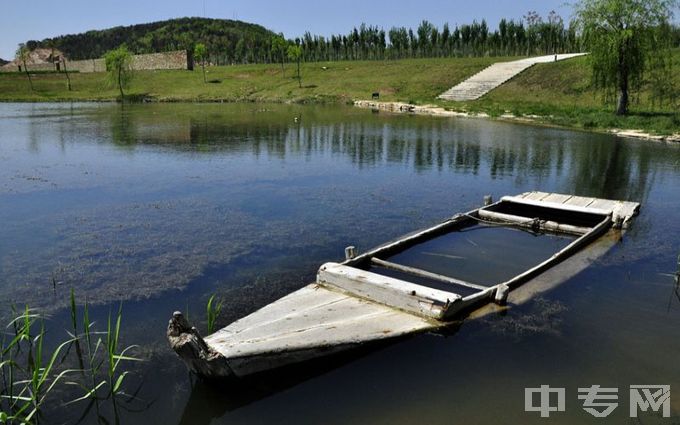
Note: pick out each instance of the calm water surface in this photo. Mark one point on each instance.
(160, 206)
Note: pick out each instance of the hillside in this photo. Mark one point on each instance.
(227, 40)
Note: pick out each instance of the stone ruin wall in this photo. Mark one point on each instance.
(166, 60)
(179, 59)
(87, 65)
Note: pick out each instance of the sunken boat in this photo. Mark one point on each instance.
(468, 264)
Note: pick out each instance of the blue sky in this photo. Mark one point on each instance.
(38, 19)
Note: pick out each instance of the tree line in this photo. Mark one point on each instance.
(529, 36)
(234, 42)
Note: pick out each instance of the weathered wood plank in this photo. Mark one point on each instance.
(323, 321)
(426, 274)
(580, 201)
(551, 226)
(412, 238)
(564, 207)
(604, 204)
(406, 296)
(536, 196)
(557, 198)
(307, 298)
(627, 210)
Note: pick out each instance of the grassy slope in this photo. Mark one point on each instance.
(560, 93)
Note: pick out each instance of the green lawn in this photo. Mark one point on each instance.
(553, 93)
(415, 80)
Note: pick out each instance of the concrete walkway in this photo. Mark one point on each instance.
(493, 76)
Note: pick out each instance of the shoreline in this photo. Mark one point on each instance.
(433, 110)
(391, 107)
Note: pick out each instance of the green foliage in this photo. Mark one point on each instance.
(230, 42)
(279, 49)
(213, 310)
(22, 55)
(623, 37)
(118, 68)
(295, 55)
(220, 36)
(200, 55)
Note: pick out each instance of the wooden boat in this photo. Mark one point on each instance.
(369, 297)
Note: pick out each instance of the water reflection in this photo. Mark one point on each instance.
(593, 166)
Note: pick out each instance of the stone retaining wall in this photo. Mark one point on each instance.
(179, 59)
(11, 67)
(87, 65)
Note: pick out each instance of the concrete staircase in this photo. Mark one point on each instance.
(493, 76)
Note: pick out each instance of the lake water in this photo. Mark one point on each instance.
(160, 206)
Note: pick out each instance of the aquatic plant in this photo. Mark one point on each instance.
(102, 352)
(114, 357)
(38, 377)
(213, 310)
(29, 371)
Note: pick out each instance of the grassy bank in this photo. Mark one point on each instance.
(554, 93)
(409, 80)
(562, 94)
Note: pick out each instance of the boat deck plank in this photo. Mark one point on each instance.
(624, 209)
(557, 198)
(580, 201)
(320, 318)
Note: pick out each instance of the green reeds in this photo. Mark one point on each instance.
(213, 310)
(24, 397)
(103, 352)
(113, 356)
(29, 371)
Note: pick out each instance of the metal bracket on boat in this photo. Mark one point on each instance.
(193, 350)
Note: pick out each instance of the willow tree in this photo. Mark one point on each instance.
(620, 36)
(119, 68)
(22, 55)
